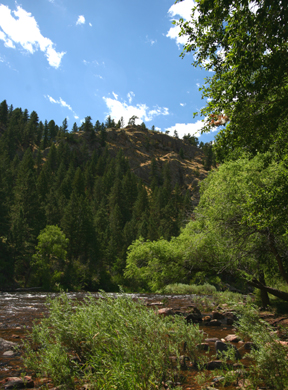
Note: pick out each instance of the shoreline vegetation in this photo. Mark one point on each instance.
(118, 343)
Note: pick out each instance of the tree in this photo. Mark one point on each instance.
(132, 120)
(3, 113)
(254, 221)
(75, 128)
(27, 217)
(191, 139)
(245, 44)
(49, 260)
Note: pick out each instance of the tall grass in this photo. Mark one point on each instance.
(110, 343)
(180, 288)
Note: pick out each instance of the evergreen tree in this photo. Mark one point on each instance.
(27, 218)
(45, 139)
(4, 113)
(75, 128)
(53, 130)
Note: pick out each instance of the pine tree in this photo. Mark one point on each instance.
(4, 113)
(27, 218)
(45, 139)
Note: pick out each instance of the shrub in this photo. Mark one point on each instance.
(110, 343)
(180, 288)
(270, 365)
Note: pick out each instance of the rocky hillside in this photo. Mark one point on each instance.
(141, 145)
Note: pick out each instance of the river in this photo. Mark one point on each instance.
(19, 310)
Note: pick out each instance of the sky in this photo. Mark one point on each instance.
(72, 59)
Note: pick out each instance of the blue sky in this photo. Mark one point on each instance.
(70, 59)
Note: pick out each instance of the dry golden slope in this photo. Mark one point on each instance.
(141, 145)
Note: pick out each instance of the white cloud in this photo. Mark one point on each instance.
(23, 29)
(80, 20)
(182, 104)
(115, 95)
(183, 10)
(99, 76)
(185, 128)
(117, 109)
(130, 96)
(151, 41)
(62, 103)
(90, 24)
(94, 62)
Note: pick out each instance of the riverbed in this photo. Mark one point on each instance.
(19, 310)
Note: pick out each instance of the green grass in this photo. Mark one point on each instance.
(109, 343)
(183, 289)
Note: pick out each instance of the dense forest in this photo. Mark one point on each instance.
(69, 209)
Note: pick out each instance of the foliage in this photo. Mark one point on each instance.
(241, 227)
(109, 343)
(50, 257)
(268, 354)
(183, 289)
(245, 45)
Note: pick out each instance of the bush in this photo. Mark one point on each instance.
(180, 288)
(270, 365)
(110, 343)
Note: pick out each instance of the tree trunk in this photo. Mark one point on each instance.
(273, 291)
(275, 252)
(264, 294)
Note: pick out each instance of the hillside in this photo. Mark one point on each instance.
(95, 190)
(141, 145)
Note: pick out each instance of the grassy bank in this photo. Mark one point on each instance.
(110, 344)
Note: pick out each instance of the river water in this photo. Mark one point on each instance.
(19, 310)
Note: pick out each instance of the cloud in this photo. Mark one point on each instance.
(94, 62)
(118, 109)
(62, 103)
(90, 24)
(182, 104)
(151, 41)
(130, 96)
(183, 10)
(80, 20)
(185, 128)
(23, 29)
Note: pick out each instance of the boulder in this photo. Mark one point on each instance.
(206, 319)
(232, 338)
(223, 347)
(212, 340)
(7, 345)
(18, 383)
(9, 353)
(194, 316)
(216, 315)
(229, 321)
(214, 365)
(214, 323)
(166, 311)
(203, 346)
